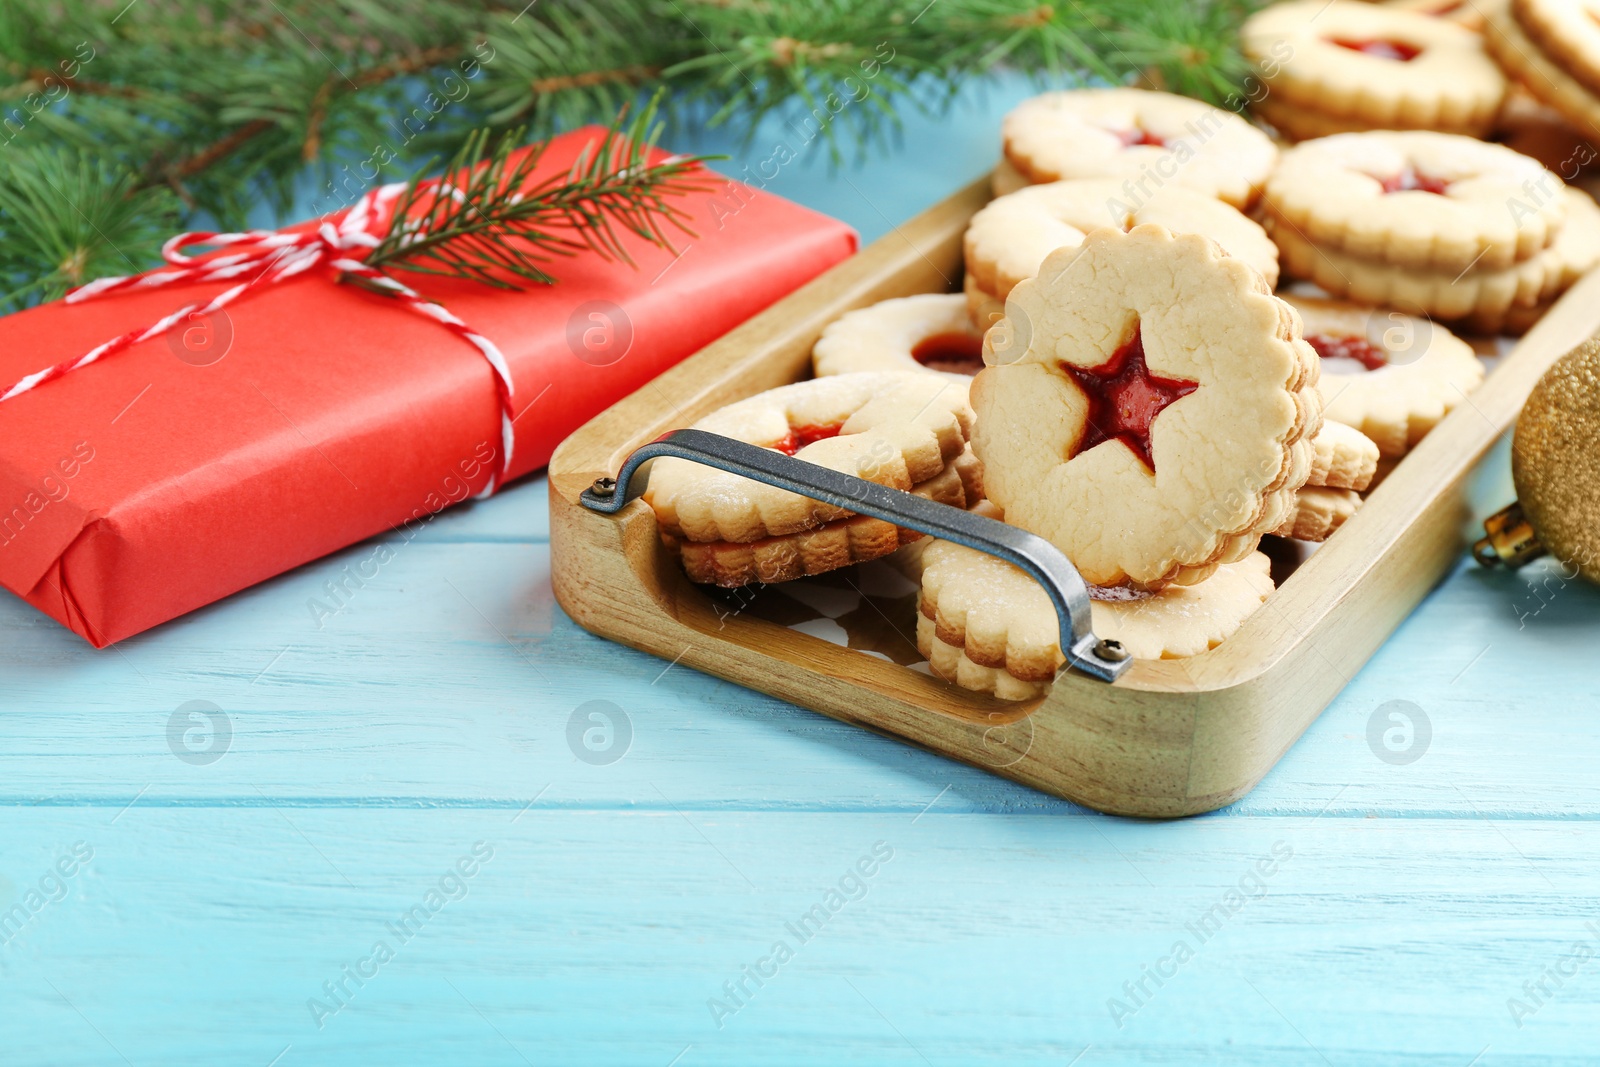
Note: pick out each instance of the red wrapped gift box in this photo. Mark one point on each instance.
(163, 478)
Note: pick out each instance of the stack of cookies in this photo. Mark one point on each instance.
(988, 627)
(1432, 224)
(1149, 408)
(1325, 68)
(905, 431)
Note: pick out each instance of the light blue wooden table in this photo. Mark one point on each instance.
(223, 911)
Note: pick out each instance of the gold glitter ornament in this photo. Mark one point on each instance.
(1555, 464)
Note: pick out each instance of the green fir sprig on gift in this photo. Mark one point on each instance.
(487, 220)
(120, 121)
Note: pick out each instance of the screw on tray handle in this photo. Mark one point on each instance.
(1102, 659)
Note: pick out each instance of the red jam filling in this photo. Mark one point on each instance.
(1348, 346)
(800, 436)
(1409, 180)
(1398, 51)
(1138, 136)
(1125, 398)
(953, 353)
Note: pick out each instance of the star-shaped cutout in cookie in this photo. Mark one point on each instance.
(1125, 398)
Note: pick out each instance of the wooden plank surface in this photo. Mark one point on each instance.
(368, 755)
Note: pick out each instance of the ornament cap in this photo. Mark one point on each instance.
(1509, 540)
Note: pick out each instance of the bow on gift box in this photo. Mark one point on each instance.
(486, 220)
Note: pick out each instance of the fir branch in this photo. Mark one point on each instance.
(1191, 49)
(487, 220)
(565, 65)
(1053, 39)
(316, 114)
(49, 250)
(212, 109)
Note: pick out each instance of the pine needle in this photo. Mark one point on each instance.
(70, 218)
(486, 218)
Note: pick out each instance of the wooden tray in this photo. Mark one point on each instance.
(1171, 737)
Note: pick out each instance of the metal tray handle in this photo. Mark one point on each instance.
(1105, 660)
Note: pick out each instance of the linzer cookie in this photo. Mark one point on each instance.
(1318, 512)
(1483, 299)
(1576, 249)
(1575, 252)
(1342, 457)
(1416, 199)
(835, 544)
(906, 431)
(1566, 33)
(1008, 239)
(912, 333)
(1147, 406)
(1391, 376)
(1145, 140)
(1346, 65)
(987, 626)
(1437, 294)
(1541, 72)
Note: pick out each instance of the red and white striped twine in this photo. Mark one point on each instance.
(274, 257)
